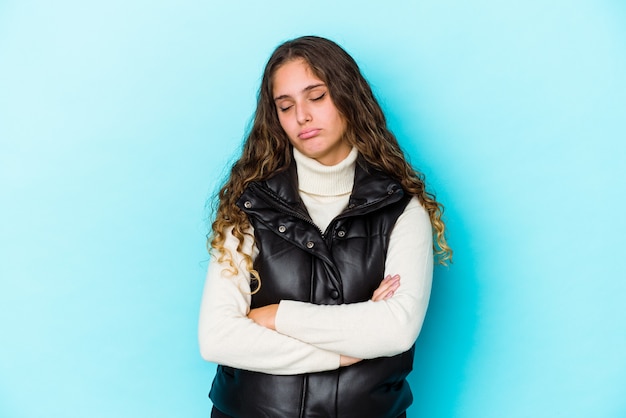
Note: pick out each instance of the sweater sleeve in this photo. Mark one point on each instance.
(228, 337)
(374, 329)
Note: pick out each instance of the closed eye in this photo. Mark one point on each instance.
(284, 109)
(315, 99)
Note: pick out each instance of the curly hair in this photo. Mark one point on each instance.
(267, 150)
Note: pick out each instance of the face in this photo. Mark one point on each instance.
(308, 115)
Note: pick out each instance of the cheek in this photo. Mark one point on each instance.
(333, 115)
(284, 122)
(338, 121)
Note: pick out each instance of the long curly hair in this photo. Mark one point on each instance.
(267, 150)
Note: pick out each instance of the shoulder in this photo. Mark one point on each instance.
(415, 214)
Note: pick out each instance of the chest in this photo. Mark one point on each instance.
(296, 261)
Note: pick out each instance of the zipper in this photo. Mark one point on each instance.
(350, 211)
(283, 208)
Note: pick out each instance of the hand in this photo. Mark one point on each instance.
(347, 361)
(265, 316)
(386, 288)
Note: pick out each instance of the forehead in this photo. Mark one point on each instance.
(293, 76)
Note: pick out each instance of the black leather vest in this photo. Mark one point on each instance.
(343, 264)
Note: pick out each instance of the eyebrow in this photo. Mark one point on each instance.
(308, 88)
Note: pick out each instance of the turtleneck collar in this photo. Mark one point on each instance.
(323, 180)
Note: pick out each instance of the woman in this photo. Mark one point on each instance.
(322, 251)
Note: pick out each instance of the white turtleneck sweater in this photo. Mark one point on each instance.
(310, 338)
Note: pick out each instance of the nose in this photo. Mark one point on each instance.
(303, 114)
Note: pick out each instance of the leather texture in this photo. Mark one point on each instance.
(343, 264)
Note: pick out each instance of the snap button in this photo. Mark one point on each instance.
(247, 204)
(341, 233)
(310, 244)
(282, 228)
(334, 294)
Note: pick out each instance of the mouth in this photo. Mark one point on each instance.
(309, 133)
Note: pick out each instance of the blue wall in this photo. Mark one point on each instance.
(117, 119)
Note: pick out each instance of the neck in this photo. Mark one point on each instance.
(323, 180)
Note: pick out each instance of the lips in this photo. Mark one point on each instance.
(309, 133)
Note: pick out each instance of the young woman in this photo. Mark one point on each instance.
(322, 251)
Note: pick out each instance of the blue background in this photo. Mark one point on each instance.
(118, 119)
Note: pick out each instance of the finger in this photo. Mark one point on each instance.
(386, 284)
(381, 290)
(387, 279)
(385, 288)
(391, 291)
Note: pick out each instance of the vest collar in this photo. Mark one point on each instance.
(372, 189)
